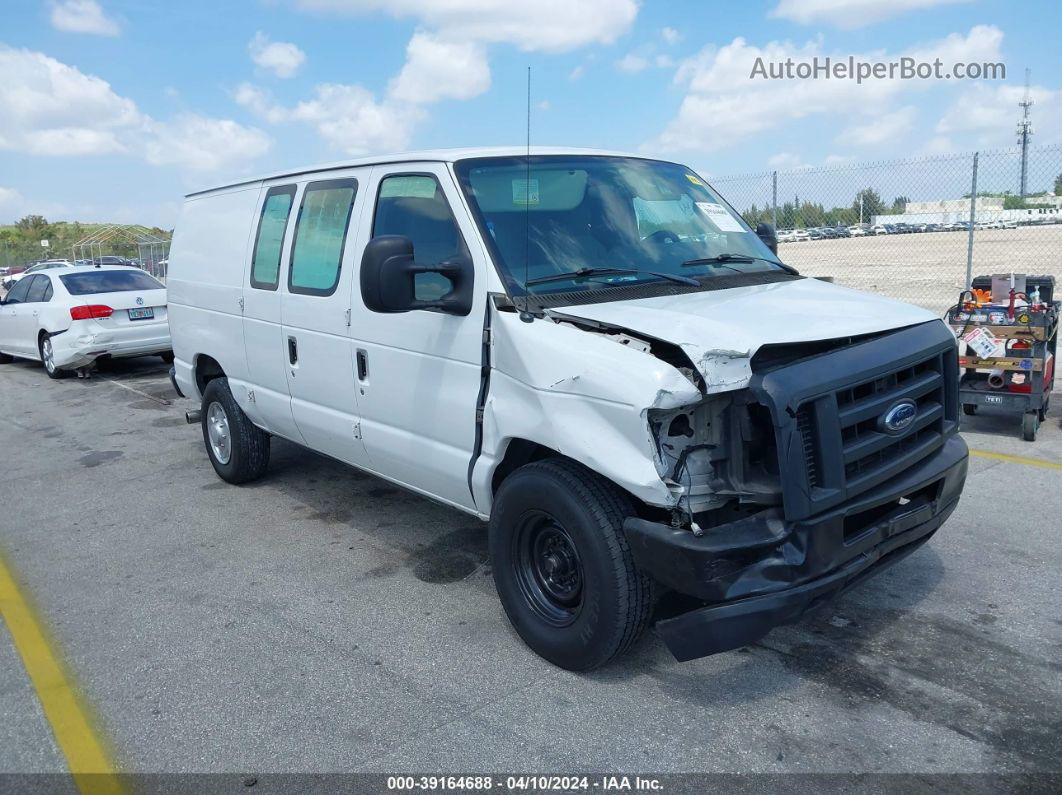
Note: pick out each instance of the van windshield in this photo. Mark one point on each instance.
(644, 220)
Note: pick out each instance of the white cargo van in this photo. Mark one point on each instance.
(594, 353)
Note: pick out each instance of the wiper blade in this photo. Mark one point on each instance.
(583, 273)
(722, 259)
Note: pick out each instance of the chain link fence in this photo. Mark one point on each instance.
(912, 229)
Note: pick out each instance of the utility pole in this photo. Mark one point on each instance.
(1025, 131)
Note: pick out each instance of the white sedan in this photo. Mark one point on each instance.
(67, 317)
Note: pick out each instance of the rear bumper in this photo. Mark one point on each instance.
(77, 348)
(757, 573)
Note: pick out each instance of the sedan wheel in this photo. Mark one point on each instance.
(48, 358)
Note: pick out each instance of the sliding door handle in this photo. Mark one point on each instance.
(293, 351)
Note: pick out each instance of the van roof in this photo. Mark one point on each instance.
(428, 155)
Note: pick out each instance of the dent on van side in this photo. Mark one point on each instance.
(594, 353)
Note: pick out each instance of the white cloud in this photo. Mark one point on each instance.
(984, 115)
(787, 161)
(838, 160)
(880, 129)
(354, 121)
(548, 25)
(53, 109)
(850, 13)
(724, 105)
(349, 117)
(282, 58)
(203, 144)
(11, 201)
(438, 69)
(82, 16)
(632, 63)
(577, 72)
(670, 35)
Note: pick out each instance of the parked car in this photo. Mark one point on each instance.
(800, 235)
(879, 229)
(12, 279)
(111, 261)
(68, 317)
(814, 233)
(479, 329)
(841, 231)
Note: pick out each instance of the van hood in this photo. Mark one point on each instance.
(721, 330)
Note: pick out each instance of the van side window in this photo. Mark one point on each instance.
(414, 205)
(265, 262)
(320, 233)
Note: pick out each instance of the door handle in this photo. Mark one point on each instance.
(363, 365)
(293, 351)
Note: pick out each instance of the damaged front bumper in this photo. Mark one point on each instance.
(763, 571)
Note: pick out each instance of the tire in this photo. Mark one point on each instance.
(167, 357)
(238, 450)
(44, 347)
(562, 566)
(969, 409)
(1030, 424)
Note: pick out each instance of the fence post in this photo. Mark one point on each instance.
(973, 217)
(774, 199)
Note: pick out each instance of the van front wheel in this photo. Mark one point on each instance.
(562, 566)
(238, 450)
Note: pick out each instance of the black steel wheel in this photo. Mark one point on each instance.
(562, 566)
(548, 570)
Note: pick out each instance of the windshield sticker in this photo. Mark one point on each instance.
(719, 216)
(525, 192)
(694, 180)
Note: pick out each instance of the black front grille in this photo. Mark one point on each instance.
(865, 447)
(829, 412)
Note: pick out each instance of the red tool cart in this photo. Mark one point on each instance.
(1009, 325)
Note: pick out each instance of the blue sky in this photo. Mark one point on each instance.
(113, 109)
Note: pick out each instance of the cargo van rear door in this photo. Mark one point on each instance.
(263, 334)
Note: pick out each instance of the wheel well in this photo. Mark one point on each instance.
(206, 370)
(518, 453)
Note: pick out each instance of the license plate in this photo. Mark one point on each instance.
(993, 399)
(141, 314)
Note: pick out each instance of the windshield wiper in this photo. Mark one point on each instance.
(583, 273)
(722, 259)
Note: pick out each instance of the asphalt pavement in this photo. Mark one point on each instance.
(324, 620)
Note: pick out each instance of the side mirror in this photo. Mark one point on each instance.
(389, 273)
(765, 232)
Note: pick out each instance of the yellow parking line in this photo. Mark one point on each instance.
(80, 743)
(1017, 459)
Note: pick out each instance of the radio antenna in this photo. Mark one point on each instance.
(526, 314)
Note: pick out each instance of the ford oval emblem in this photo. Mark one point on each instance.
(139, 301)
(899, 417)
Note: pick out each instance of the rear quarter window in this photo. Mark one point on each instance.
(109, 282)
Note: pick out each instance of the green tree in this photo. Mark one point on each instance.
(32, 227)
(871, 204)
(899, 205)
(1058, 185)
